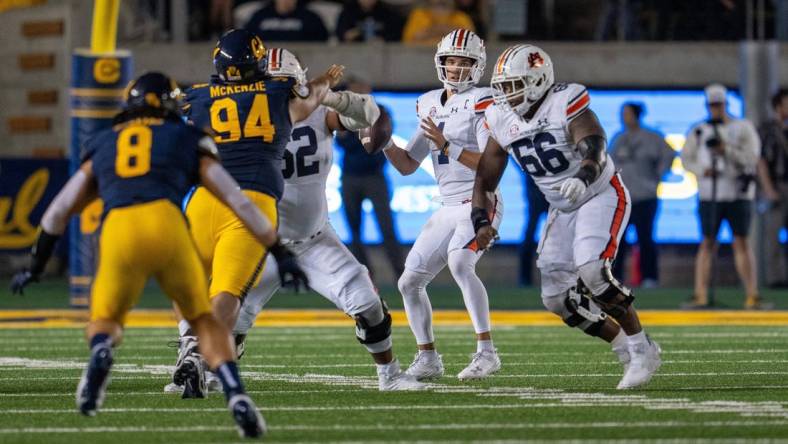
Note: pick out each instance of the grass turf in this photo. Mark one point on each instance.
(317, 384)
(53, 293)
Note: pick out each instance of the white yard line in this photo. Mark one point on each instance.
(415, 427)
(550, 398)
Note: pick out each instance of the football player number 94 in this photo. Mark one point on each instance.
(133, 151)
(225, 121)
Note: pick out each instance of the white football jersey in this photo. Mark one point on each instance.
(543, 146)
(462, 120)
(308, 157)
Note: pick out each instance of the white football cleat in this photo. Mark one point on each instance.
(212, 382)
(426, 366)
(173, 388)
(398, 381)
(644, 362)
(622, 353)
(483, 364)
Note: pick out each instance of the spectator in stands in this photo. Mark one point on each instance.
(367, 20)
(363, 177)
(426, 25)
(643, 157)
(537, 205)
(773, 175)
(287, 21)
(477, 11)
(723, 153)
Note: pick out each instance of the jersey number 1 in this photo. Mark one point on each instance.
(258, 122)
(133, 151)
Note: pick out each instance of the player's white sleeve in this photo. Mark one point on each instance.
(689, 153)
(578, 100)
(356, 111)
(747, 150)
(418, 146)
(482, 133)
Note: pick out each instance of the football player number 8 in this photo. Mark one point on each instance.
(224, 120)
(133, 153)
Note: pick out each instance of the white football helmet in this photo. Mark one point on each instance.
(283, 63)
(522, 71)
(461, 43)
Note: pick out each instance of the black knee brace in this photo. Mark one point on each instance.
(372, 334)
(616, 298)
(581, 315)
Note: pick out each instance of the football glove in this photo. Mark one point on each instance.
(20, 281)
(290, 273)
(572, 189)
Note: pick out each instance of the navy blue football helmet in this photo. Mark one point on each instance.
(239, 57)
(152, 94)
(153, 90)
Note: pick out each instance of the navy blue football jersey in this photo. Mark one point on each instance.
(145, 159)
(251, 127)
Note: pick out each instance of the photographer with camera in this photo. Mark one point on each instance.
(723, 154)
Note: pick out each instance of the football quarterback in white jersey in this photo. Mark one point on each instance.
(331, 268)
(553, 135)
(452, 133)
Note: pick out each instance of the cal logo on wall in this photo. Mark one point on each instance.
(27, 186)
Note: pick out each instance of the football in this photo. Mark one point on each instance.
(378, 135)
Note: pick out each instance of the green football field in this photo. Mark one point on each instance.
(316, 384)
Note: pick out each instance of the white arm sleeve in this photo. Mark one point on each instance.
(55, 218)
(748, 148)
(356, 111)
(418, 146)
(689, 153)
(219, 182)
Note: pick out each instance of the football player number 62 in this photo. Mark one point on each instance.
(133, 151)
(225, 121)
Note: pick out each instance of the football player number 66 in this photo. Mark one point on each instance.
(225, 121)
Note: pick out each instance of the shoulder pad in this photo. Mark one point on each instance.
(577, 99)
(484, 99)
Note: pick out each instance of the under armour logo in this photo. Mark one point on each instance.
(454, 110)
(535, 60)
(542, 122)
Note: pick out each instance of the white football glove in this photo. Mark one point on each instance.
(572, 189)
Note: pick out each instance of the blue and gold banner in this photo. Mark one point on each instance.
(26, 188)
(97, 85)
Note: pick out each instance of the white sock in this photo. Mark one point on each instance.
(620, 341)
(637, 338)
(183, 327)
(391, 368)
(413, 286)
(462, 264)
(484, 345)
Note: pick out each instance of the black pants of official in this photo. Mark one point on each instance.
(375, 188)
(642, 217)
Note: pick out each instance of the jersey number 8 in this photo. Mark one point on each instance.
(224, 120)
(133, 151)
